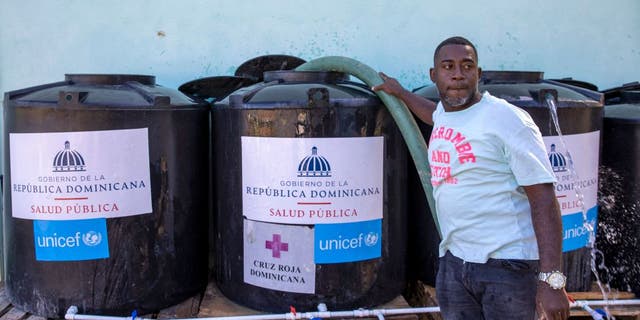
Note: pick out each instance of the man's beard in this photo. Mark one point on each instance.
(456, 101)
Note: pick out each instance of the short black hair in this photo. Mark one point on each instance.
(455, 40)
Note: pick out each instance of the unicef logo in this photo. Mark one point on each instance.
(92, 238)
(371, 239)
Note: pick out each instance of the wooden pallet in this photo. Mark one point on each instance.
(8, 312)
(210, 303)
(215, 304)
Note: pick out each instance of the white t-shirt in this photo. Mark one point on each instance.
(479, 158)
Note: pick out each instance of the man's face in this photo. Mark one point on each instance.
(456, 76)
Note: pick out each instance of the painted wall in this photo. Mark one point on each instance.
(178, 41)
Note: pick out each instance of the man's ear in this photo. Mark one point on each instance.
(432, 74)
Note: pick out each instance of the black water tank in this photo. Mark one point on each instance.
(619, 222)
(106, 195)
(310, 179)
(580, 119)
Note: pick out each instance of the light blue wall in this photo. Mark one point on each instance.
(40, 41)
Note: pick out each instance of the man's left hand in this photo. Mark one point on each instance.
(552, 304)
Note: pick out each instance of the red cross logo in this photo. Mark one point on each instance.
(276, 246)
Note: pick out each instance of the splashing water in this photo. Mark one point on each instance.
(605, 289)
(616, 229)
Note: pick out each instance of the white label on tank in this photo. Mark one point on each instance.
(279, 257)
(580, 154)
(80, 175)
(312, 180)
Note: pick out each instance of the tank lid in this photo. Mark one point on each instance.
(305, 76)
(256, 67)
(214, 88)
(511, 77)
(110, 79)
(627, 93)
(577, 83)
(301, 89)
(101, 90)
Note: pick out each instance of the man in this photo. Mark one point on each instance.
(493, 188)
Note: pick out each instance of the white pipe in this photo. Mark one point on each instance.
(359, 313)
(594, 314)
(618, 302)
(72, 312)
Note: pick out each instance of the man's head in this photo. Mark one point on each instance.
(458, 41)
(456, 73)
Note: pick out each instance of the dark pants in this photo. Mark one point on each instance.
(498, 289)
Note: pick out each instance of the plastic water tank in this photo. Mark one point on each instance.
(619, 226)
(105, 195)
(310, 180)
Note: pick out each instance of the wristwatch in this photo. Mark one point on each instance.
(555, 279)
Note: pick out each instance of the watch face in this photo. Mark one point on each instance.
(556, 280)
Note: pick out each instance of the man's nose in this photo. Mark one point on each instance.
(457, 72)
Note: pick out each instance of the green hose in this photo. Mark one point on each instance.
(399, 112)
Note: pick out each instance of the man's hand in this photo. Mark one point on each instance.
(390, 86)
(420, 106)
(551, 304)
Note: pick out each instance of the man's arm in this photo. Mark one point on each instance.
(423, 108)
(547, 224)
